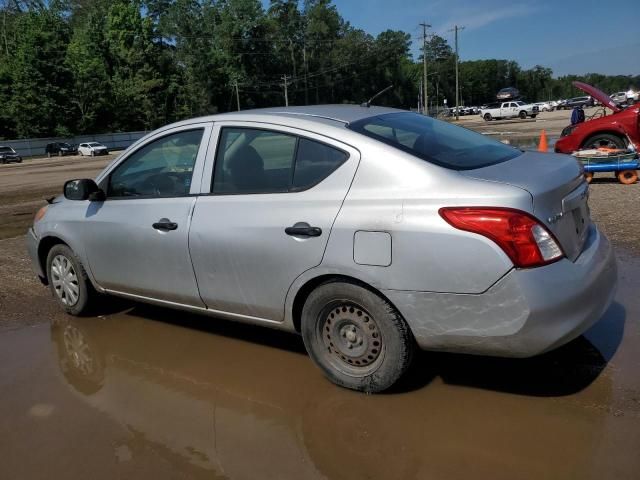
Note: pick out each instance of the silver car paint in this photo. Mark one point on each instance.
(243, 260)
(390, 191)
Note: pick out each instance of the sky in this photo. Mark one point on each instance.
(569, 36)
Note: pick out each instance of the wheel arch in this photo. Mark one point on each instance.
(311, 284)
(608, 131)
(44, 247)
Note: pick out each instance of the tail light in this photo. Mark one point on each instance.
(521, 236)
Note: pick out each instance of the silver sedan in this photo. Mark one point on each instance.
(370, 231)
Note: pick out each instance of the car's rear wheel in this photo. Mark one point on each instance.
(534, 115)
(68, 280)
(522, 114)
(356, 338)
(627, 177)
(487, 117)
(604, 140)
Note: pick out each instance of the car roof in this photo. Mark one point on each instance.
(333, 114)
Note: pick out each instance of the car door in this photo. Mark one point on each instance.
(267, 214)
(137, 239)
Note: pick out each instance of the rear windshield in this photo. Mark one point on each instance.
(435, 141)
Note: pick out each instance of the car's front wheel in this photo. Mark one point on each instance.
(68, 280)
(356, 338)
(523, 114)
(605, 140)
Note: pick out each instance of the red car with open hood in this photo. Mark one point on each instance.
(621, 129)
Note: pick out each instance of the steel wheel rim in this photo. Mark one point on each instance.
(351, 337)
(78, 350)
(65, 280)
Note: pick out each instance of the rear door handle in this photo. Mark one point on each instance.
(165, 224)
(303, 229)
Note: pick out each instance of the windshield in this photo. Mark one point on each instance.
(435, 141)
(6, 150)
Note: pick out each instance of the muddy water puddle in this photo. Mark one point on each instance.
(142, 392)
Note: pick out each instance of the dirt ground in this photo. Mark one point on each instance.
(165, 394)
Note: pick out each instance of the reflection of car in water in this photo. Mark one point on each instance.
(215, 402)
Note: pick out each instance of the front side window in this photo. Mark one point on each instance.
(262, 161)
(435, 141)
(162, 168)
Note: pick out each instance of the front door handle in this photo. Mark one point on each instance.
(165, 224)
(303, 229)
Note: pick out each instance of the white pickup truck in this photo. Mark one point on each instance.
(511, 109)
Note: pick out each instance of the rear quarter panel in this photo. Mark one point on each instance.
(397, 193)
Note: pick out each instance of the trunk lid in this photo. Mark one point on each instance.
(558, 191)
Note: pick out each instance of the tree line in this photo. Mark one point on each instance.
(90, 66)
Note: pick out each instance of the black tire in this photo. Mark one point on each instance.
(604, 140)
(534, 115)
(487, 117)
(522, 114)
(85, 292)
(356, 338)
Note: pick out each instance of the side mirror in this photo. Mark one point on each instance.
(83, 189)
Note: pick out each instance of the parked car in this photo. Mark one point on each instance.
(9, 155)
(571, 103)
(60, 148)
(500, 110)
(619, 97)
(92, 149)
(508, 93)
(544, 106)
(620, 130)
(368, 230)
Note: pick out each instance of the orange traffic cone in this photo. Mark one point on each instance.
(543, 146)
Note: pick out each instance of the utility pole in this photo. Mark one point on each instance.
(306, 71)
(424, 65)
(455, 29)
(235, 85)
(286, 96)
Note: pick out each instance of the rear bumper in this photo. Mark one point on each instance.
(525, 313)
(32, 248)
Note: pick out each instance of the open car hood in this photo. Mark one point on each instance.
(599, 95)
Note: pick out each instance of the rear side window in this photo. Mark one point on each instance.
(438, 142)
(315, 161)
(263, 161)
